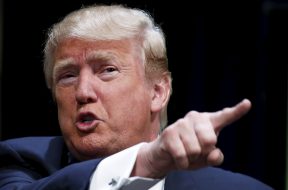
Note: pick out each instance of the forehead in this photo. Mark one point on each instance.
(73, 47)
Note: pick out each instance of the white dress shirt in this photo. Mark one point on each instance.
(113, 173)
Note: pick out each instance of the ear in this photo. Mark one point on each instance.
(160, 93)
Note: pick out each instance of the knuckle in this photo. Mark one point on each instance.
(193, 114)
(168, 132)
(210, 142)
(226, 110)
(179, 156)
(181, 122)
(195, 151)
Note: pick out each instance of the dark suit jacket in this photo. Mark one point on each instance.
(44, 163)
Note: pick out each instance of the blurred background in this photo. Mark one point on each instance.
(219, 53)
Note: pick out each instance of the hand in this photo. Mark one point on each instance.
(189, 143)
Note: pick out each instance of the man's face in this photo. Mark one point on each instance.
(103, 98)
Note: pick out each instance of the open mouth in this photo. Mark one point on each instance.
(86, 118)
(86, 122)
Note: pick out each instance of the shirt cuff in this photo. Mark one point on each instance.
(114, 171)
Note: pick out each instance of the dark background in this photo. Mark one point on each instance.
(219, 53)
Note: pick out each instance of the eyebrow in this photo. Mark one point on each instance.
(101, 55)
(62, 64)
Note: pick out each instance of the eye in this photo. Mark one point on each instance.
(66, 78)
(109, 69)
(108, 73)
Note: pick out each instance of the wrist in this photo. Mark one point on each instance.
(145, 165)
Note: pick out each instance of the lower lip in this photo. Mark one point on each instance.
(88, 126)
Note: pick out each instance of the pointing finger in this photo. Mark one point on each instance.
(228, 115)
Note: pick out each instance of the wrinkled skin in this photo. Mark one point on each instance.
(104, 101)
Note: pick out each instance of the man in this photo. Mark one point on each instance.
(107, 69)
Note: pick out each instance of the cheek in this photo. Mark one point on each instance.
(128, 93)
(65, 99)
(130, 105)
(65, 105)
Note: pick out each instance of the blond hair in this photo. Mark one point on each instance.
(112, 22)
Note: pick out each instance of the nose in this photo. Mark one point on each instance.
(85, 89)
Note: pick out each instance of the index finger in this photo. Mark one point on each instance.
(228, 115)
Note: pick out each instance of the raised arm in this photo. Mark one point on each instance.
(189, 143)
